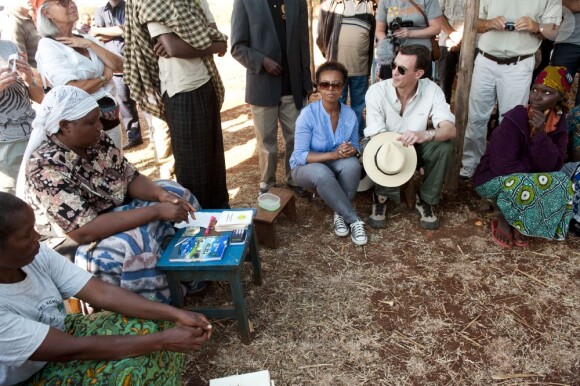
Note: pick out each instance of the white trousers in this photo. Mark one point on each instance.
(115, 135)
(508, 84)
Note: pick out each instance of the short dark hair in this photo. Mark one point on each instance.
(331, 66)
(420, 52)
(9, 205)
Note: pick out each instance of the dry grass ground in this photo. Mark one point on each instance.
(412, 307)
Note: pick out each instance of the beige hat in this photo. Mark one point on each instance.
(387, 162)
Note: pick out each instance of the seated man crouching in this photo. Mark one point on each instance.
(404, 104)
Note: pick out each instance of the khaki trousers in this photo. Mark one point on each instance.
(266, 127)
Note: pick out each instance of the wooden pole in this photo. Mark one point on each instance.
(465, 71)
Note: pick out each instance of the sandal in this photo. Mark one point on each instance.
(495, 232)
(520, 240)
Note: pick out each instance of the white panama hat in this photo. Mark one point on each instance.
(365, 182)
(387, 162)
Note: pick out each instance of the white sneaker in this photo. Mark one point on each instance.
(466, 172)
(340, 227)
(357, 232)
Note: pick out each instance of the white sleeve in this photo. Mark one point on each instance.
(207, 11)
(68, 278)
(440, 111)
(376, 114)
(156, 29)
(54, 64)
(19, 338)
(552, 13)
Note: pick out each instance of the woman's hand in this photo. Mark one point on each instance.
(537, 120)
(184, 339)
(402, 33)
(25, 71)
(75, 42)
(179, 208)
(108, 74)
(7, 78)
(346, 150)
(194, 319)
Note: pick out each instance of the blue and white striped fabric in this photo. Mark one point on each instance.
(128, 259)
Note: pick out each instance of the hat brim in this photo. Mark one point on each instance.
(372, 169)
(365, 182)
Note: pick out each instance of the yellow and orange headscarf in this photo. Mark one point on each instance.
(555, 77)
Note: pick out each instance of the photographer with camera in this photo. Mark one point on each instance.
(511, 32)
(405, 22)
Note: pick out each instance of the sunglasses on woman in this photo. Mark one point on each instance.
(326, 85)
(402, 70)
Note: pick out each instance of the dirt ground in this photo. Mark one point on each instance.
(412, 307)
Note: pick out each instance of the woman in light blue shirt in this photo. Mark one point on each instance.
(325, 150)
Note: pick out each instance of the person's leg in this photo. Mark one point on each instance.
(11, 155)
(436, 158)
(481, 103)
(159, 368)
(358, 86)
(513, 85)
(196, 138)
(447, 69)
(568, 55)
(128, 112)
(320, 177)
(128, 259)
(288, 114)
(347, 172)
(266, 129)
(161, 138)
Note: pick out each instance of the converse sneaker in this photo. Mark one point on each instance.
(378, 217)
(466, 172)
(340, 228)
(357, 232)
(428, 218)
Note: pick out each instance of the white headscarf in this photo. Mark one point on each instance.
(61, 103)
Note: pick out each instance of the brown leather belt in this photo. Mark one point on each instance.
(511, 60)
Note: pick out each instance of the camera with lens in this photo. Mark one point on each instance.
(510, 26)
(398, 23)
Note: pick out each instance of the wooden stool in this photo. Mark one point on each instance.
(265, 221)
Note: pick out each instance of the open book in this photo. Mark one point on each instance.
(229, 220)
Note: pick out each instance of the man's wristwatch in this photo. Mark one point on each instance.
(431, 134)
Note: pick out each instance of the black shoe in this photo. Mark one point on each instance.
(299, 191)
(133, 143)
(428, 218)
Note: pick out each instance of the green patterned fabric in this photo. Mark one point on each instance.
(536, 204)
(158, 368)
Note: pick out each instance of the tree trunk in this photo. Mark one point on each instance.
(310, 38)
(466, 62)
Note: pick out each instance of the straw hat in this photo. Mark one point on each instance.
(387, 162)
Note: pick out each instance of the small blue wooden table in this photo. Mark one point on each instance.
(229, 269)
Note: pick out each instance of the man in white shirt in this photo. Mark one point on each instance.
(416, 109)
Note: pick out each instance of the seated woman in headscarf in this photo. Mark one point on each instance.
(81, 187)
(325, 148)
(520, 170)
(78, 60)
(41, 345)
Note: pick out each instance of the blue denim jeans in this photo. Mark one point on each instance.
(358, 86)
(335, 181)
(568, 55)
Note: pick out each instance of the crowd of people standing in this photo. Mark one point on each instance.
(71, 84)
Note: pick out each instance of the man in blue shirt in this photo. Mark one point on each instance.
(109, 26)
